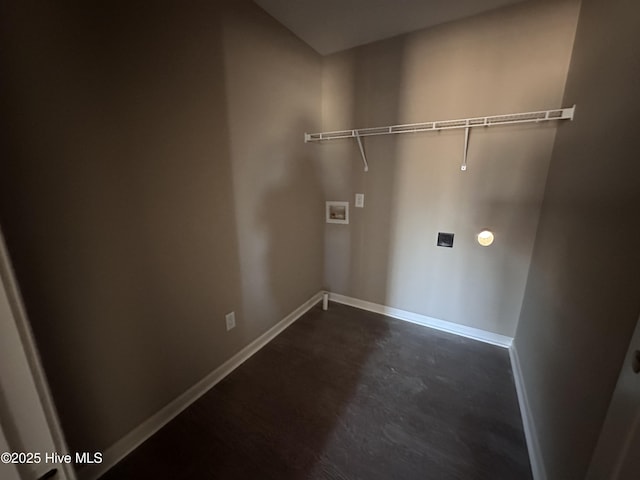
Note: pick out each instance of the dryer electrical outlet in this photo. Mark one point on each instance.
(445, 240)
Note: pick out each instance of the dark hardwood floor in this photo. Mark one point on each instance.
(348, 394)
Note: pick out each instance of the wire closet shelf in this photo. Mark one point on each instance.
(526, 117)
(466, 123)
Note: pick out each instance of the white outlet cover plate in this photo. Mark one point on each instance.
(359, 200)
(230, 319)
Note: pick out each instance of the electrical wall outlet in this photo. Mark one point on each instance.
(445, 239)
(230, 318)
(359, 200)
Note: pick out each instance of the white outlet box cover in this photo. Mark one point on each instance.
(359, 200)
(230, 318)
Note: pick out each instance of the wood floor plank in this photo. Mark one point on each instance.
(349, 395)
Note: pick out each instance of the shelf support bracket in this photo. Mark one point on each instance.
(364, 157)
(463, 167)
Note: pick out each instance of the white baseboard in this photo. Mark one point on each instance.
(535, 454)
(462, 330)
(142, 432)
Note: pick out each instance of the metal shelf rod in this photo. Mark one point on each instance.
(491, 121)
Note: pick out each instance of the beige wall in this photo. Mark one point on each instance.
(582, 297)
(510, 60)
(154, 178)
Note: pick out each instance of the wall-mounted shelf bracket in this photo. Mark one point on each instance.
(364, 157)
(463, 167)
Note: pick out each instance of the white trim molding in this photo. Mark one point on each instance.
(28, 402)
(530, 432)
(425, 321)
(146, 429)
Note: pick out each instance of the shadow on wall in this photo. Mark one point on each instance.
(273, 90)
(361, 88)
(578, 284)
(581, 282)
(117, 204)
(289, 217)
(582, 302)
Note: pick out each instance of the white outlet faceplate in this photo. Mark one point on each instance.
(359, 200)
(230, 318)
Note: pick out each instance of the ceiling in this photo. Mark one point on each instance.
(330, 26)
